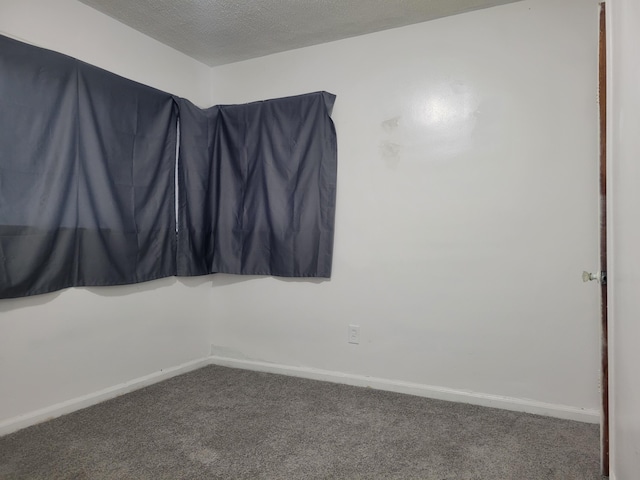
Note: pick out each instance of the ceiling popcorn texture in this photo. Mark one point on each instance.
(217, 32)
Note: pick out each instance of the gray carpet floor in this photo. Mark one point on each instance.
(223, 423)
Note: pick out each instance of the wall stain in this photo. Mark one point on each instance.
(391, 153)
(391, 124)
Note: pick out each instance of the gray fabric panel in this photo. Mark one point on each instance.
(86, 175)
(257, 187)
(87, 165)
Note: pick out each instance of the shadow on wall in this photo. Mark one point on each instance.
(216, 280)
(224, 279)
(11, 304)
(125, 290)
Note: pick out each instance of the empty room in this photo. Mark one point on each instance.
(319, 239)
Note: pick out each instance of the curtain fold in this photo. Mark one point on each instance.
(88, 174)
(257, 187)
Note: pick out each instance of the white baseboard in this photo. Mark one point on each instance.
(22, 421)
(507, 403)
(429, 391)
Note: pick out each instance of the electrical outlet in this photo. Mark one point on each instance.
(353, 334)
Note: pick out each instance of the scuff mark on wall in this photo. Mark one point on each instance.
(391, 124)
(391, 152)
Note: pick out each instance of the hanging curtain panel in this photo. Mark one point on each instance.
(87, 164)
(257, 187)
(87, 180)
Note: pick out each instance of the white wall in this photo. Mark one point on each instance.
(72, 28)
(64, 345)
(462, 227)
(624, 231)
(467, 209)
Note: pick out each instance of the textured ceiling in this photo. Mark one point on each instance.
(225, 31)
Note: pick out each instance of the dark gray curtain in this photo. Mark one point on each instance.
(257, 187)
(87, 180)
(87, 164)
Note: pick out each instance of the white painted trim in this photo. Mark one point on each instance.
(429, 391)
(22, 421)
(610, 10)
(506, 403)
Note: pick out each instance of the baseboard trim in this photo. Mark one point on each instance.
(441, 393)
(429, 391)
(22, 421)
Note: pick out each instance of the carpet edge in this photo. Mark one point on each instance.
(29, 419)
(564, 412)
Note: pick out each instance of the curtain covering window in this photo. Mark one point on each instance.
(87, 164)
(88, 174)
(257, 187)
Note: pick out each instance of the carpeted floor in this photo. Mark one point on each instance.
(223, 423)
